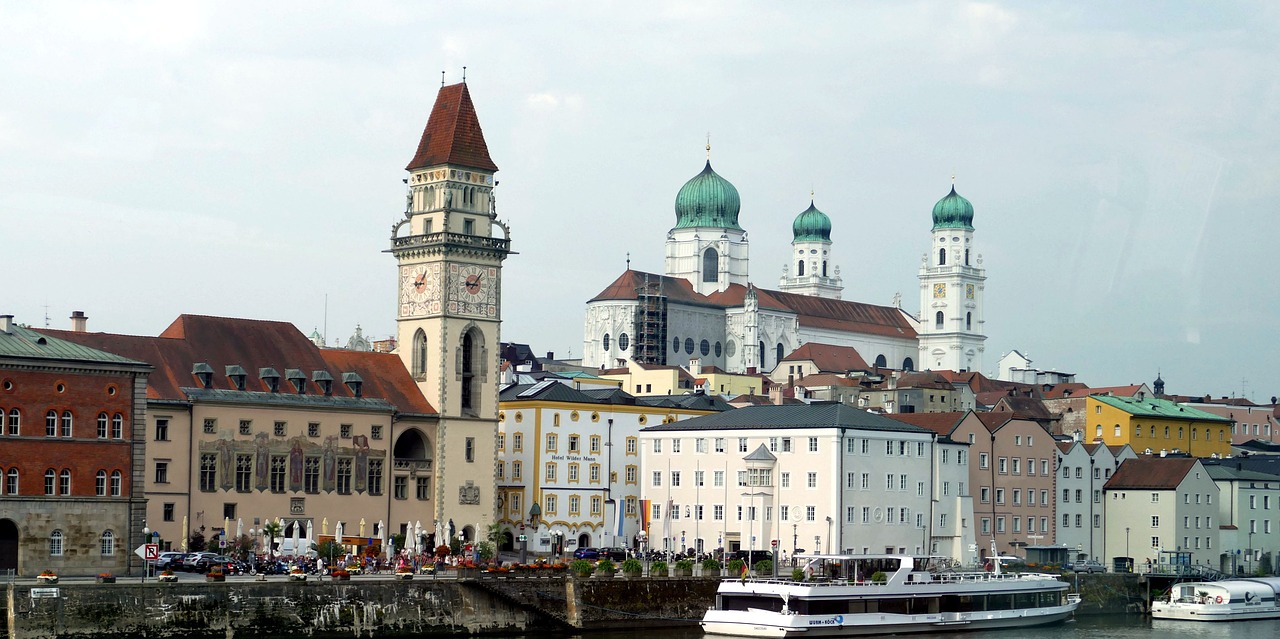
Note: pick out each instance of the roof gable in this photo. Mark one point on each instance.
(829, 358)
(1151, 473)
(453, 134)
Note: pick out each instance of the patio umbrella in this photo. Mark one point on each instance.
(297, 537)
(184, 533)
(226, 531)
(239, 528)
(337, 532)
(417, 536)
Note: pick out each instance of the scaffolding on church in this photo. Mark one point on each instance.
(651, 323)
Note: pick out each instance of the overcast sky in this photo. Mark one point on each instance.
(245, 159)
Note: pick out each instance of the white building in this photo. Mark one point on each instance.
(1248, 512)
(1083, 469)
(1159, 504)
(705, 307)
(813, 477)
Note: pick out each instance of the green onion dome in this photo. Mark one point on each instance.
(811, 226)
(953, 212)
(708, 200)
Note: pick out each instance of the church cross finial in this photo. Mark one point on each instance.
(628, 260)
(953, 177)
(708, 146)
(442, 78)
(464, 74)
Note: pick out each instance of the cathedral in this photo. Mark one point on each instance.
(705, 307)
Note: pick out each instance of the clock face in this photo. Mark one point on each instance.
(968, 291)
(939, 290)
(471, 289)
(419, 289)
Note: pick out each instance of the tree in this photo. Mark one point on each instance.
(197, 543)
(272, 529)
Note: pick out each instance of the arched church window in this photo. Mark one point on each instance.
(688, 345)
(710, 265)
(968, 321)
(623, 341)
(800, 267)
(942, 257)
(470, 369)
(718, 350)
(605, 342)
(419, 352)
(937, 320)
(705, 348)
(908, 365)
(779, 353)
(761, 350)
(675, 344)
(881, 362)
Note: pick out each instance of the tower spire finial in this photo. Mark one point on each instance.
(708, 146)
(953, 177)
(464, 74)
(442, 79)
(628, 260)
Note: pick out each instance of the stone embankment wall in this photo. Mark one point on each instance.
(386, 608)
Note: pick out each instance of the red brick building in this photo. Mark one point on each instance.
(71, 452)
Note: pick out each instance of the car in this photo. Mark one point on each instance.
(1088, 566)
(169, 560)
(753, 557)
(586, 553)
(191, 563)
(617, 555)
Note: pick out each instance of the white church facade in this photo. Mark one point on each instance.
(705, 307)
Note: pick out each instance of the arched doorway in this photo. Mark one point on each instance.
(584, 540)
(508, 542)
(8, 545)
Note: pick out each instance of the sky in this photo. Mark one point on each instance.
(245, 159)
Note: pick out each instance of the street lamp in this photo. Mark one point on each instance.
(146, 537)
(795, 541)
(643, 537)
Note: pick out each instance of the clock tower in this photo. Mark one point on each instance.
(952, 283)
(449, 248)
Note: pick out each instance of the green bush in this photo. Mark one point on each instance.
(735, 567)
(684, 564)
(764, 567)
(582, 567)
(797, 574)
(658, 569)
(606, 565)
(879, 577)
(632, 565)
(710, 565)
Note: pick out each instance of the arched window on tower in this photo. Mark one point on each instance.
(800, 268)
(942, 257)
(881, 362)
(710, 265)
(937, 320)
(824, 268)
(761, 348)
(908, 365)
(968, 321)
(966, 257)
(779, 353)
(470, 369)
(419, 353)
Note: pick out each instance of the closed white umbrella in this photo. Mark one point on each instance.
(337, 532)
(184, 533)
(297, 537)
(239, 528)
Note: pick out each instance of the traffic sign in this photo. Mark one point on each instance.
(775, 543)
(148, 552)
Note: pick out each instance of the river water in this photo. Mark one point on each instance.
(1098, 627)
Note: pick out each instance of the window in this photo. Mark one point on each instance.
(812, 480)
(574, 443)
(517, 470)
(675, 445)
(595, 445)
(400, 487)
(208, 472)
(66, 423)
(162, 430)
(313, 429)
(657, 478)
(999, 495)
(15, 421)
(51, 424)
(1017, 466)
(422, 488)
(552, 442)
(107, 543)
(311, 474)
(100, 484)
(103, 422)
(117, 483)
(1004, 466)
(1155, 521)
(573, 472)
(550, 471)
(717, 512)
(64, 482)
(168, 511)
(985, 494)
(117, 426)
(742, 444)
(277, 470)
(246, 426)
(813, 444)
(983, 461)
(162, 472)
(344, 475)
(55, 543)
(864, 481)
(244, 473)
(517, 442)
(375, 431)
(719, 444)
(810, 513)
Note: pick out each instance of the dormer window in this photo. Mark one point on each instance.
(271, 378)
(324, 380)
(298, 380)
(354, 383)
(236, 374)
(204, 373)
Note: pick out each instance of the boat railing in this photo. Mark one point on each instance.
(955, 577)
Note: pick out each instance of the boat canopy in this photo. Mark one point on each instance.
(1231, 591)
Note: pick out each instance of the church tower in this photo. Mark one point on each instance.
(706, 246)
(810, 271)
(449, 249)
(951, 290)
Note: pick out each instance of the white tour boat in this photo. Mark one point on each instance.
(845, 595)
(1227, 600)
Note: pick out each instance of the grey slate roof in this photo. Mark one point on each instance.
(25, 343)
(761, 453)
(817, 415)
(1228, 469)
(309, 400)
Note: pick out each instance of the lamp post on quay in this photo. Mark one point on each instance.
(146, 539)
(642, 537)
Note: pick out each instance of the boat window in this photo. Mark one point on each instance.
(999, 602)
(744, 602)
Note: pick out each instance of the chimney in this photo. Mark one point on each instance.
(6, 323)
(551, 355)
(79, 322)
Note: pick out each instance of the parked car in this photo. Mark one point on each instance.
(191, 563)
(617, 555)
(1088, 566)
(586, 553)
(756, 556)
(169, 561)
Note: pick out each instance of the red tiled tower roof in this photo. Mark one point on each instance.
(453, 134)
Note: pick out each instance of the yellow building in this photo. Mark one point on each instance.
(1158, 425)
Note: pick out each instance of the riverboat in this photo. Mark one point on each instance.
(1227, 600)
(853, 595)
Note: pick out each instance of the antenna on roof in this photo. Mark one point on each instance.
(442, 78)
(464, 74)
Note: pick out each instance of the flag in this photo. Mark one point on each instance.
(808, 569)
(745, 570)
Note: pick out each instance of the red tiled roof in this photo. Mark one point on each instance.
(829, 358)
(453, 134)
(253, 344)
(925, 379)
(825, 379)
(940, 423)
(993, 421)
(1150, 473)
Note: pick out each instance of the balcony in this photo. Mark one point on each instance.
(451, 239)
